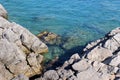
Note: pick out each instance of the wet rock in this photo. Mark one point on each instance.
(53, 54)
(50, 38)
(3, 12)
(69, 43)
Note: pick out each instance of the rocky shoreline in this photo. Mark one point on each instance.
(20, 50)
(21, 56)
(100, 61)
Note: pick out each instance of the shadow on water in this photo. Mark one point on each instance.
(65, 56)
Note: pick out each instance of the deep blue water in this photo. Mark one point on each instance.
(81, 20)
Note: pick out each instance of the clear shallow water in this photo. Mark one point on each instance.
(81, 20)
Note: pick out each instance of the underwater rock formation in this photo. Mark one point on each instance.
(50, 38)
(100, 61)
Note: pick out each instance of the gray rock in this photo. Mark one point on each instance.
(114, 32)
(93, 75)
(92, 44)
(115, 61)
(21, 77)
(2, 77)
(65, 74)
(73, 58)
(98, 71)
(14, 33)
(99, 54)
(19, 50)
(88, 74)
(113, 43)
(51, 75)
(32, 42)
(35, 65)
(4, 73)
(93, 64)
(19, 55)
(10, 53)
(73, 77)
(81, 65)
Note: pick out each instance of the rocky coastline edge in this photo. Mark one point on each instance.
(21, 56)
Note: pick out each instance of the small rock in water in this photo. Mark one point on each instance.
(50, 38)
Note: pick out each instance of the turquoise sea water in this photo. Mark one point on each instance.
(80, 20)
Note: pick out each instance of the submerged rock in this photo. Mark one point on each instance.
(70, 43)
(50, 38)
(99, 62)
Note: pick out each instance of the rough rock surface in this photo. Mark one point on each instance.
(21, 77)
(100, 61)
(83, 69)
(19, 50)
